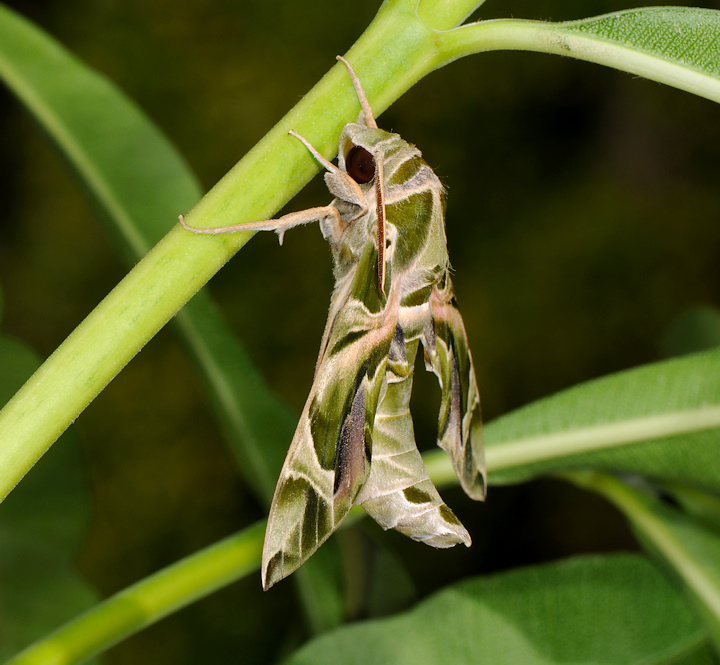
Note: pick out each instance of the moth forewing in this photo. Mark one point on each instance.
(329, 458)
(354, 443)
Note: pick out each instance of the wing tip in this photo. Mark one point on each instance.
(474, 484)
(276, 568)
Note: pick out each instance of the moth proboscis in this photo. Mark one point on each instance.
(354, 443)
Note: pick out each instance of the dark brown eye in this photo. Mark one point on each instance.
(360, 165)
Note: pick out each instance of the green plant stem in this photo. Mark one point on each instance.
(394, 52)
(445, 14)
(149, 601)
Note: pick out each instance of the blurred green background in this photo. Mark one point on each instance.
(583, 224)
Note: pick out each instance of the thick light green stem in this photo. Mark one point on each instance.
(445, 14)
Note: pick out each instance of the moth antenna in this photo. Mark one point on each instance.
(364, 103)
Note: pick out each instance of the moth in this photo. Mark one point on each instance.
(354, 443)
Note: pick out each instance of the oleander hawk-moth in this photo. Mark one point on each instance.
(354, 443)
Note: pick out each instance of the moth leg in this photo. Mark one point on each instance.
(339, 183)
(279, 225)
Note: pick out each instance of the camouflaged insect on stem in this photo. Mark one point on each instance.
(355, 443)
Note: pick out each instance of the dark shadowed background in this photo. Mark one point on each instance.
(583, 223)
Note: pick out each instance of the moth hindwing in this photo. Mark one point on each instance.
(354, 443)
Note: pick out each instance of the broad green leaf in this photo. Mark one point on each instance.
(678, 46)
(597, 609)
(661, 420)
(42, 526)
(688, 547)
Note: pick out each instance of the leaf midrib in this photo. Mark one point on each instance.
(508, 454)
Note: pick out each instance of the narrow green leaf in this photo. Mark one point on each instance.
(688, 547)
(686, 36)
(136, 175)
(258, 425)
(41, 529)
(678, 46)
(661, 420)
(600, 609)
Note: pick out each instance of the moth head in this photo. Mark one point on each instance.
(359, 151)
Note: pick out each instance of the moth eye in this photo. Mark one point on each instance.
(360, 165)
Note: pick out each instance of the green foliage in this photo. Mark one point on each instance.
(686, 36)
(656, 427)
(555, 613)
(690, 548)
(661, 420)
(675, 45)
